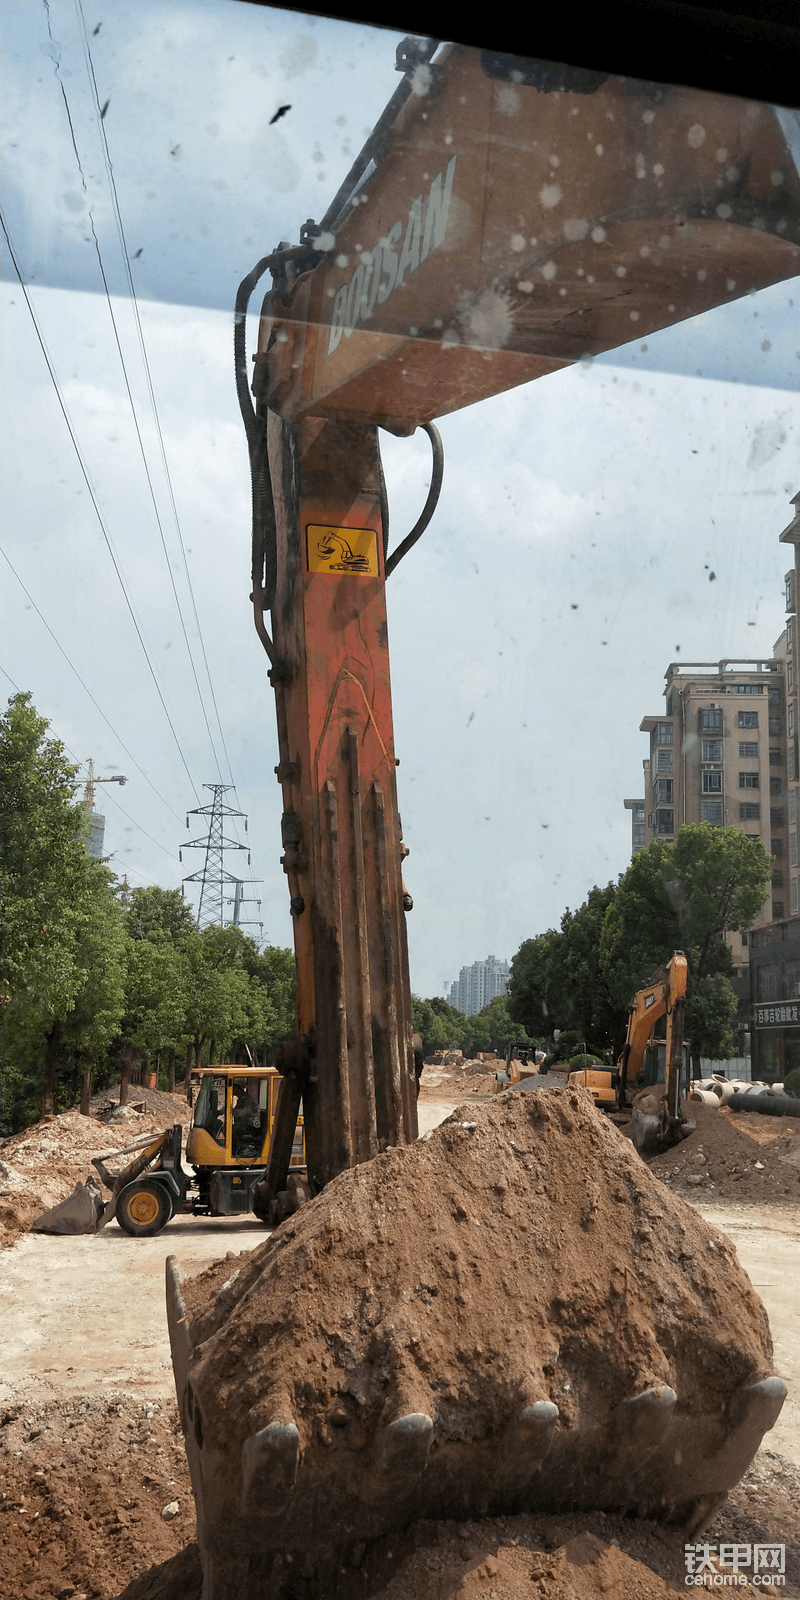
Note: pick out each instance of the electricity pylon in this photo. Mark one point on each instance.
(212, 876)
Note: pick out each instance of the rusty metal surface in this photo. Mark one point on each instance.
(509, 231)
(341, 829)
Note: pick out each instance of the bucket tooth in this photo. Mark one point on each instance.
(529, 1436)
(752, 1411)
(755, 1408)
(269, 1468)
(644, 1419)
(400, 1459)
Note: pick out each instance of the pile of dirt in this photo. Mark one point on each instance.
(464, 1076)
(41, 1166)
(520, 1256)
(86, 1483)
(155, 1102)
(734, 1156)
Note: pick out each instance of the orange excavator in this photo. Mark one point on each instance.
(505, 218)
(657, 1119)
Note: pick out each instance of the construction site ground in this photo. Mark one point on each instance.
(97, 1500)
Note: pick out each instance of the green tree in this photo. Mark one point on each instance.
(685, 896)
(493, 1027)
(535, 990)
(61, 984)
(158, 914)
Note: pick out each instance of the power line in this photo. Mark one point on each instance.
(84, 686)
(126, 381)
(151, 390)
(93, 496)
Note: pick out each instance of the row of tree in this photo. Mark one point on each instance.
(93, 978)
(676, 895)
(440, 1025)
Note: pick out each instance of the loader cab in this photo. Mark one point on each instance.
(234, 1114)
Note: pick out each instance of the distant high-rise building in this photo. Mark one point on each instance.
(96, 834)
(478, 984)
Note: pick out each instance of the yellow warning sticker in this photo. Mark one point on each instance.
(342, 550)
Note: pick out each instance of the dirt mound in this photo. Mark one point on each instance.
(85, 1483)
(41, 1166)
(487, 1300)
(156, 1102)
(734, 1156)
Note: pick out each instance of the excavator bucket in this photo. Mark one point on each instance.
(510, 1315)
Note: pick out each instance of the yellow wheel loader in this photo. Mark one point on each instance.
(227, 1149)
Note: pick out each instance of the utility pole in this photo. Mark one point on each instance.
(241, 899)
(212, 876)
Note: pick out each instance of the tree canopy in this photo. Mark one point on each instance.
(675, 895)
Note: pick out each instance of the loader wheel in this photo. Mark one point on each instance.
(143, 1208)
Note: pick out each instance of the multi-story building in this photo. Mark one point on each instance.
(775, 949)
(478, 984)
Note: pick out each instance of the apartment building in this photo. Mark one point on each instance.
(478, 984)
(775, 949)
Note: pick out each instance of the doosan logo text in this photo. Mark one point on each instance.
(382, 270)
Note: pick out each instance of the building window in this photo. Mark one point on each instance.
(638, 833)
(791, 716)
(662, 791)
(712, 750)
(793, 849)
(774, 727)
(746, 688)
(664, 733)
(790, 591)
(789, 678)
(795, 895)
(776, 847)
(790, 633)
(748, 750)
(775, 786)
(792, 805)
(748, 780)
(748, 719)
(663, 761)
(711, 782)
(749, 813)
(777, 910)
(711, 811)
(774, 757)
(663, 822)
(638, 813)
(791, 978)
(711, 720)
(776, 816)
(777, 880)
(775, 697)
(768, 983)
(791, 765)
(744, 938)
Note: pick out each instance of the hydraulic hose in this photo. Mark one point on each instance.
(430, 504)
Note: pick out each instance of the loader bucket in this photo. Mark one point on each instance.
(510, 1315)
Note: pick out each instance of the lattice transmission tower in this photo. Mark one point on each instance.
(212, 877)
